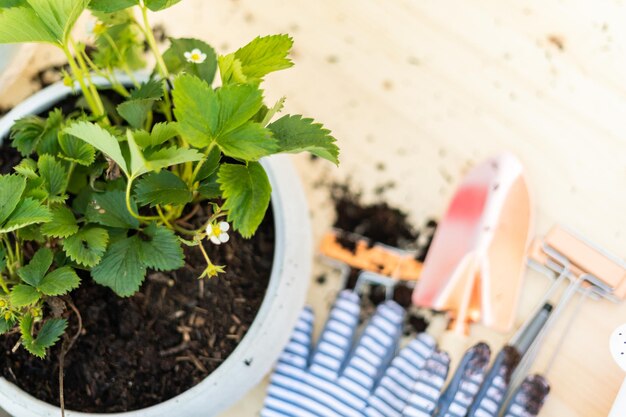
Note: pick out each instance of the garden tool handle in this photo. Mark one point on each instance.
(455, 340)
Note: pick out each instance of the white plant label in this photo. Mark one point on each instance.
(617, 345)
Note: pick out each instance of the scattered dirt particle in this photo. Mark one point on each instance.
(445, 174)
(557, 41)
(414, 61)
(321, 279)
(388, 85)
(332, 59)
(160, 33)
(248, 17)
(381, 189)
(418, 323)
(380, 166)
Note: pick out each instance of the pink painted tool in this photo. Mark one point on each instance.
(476, 262)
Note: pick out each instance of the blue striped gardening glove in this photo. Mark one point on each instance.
(343, 379)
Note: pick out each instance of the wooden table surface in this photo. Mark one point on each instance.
(417, 91)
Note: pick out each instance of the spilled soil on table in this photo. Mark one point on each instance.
(380, 222)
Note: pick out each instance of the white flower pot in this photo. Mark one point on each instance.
(267, 335)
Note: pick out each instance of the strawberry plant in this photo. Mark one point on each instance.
(101, 190)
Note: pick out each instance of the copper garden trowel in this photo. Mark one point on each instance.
(475, 264)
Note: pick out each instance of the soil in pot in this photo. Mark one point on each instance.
(139, 351)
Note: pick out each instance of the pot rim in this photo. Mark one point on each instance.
(260, 347)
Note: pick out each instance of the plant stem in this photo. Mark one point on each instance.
(152, 42)
(81, 82)
(163, 217)
(122, 60)
(129, 188)
(3, 285)
(110, 76)
(64, 351)
(90, 84)
(206, 255)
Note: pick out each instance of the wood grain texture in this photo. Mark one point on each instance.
(417, 91)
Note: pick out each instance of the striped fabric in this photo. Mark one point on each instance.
(426, 392)
(465, 383)
(528, 398)
(341, 378)
(492, 393)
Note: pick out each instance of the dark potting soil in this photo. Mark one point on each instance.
(381, 223)
(139, 351)
(142, 350)
(9, 157)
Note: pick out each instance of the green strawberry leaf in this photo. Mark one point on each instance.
(209, 188)
(87, 246)
(247, 191)
(206, 116)
(162, 188)
(137, 159)
(176, 61)
(48, 335)
(23, 295)
(249, 142)
(59, 16)
(120, 44)
(100, 139)
(110, 6)
(21, 25)
(257, 59)
(28, 168)
(33, 133)
(36, 269)
(121, 267)
(135, 112)
(5, 326)
(3, 259)
(59, 282)
(196, 108)
(237, 104)
(156, 5)
(109, 209)
(76, 150)
(166, 157)
(27, 212)
(297, 134)
(162, 250)
(53, 174)
(63, 223)
(210, 165)
(151, 89)
(11, 189)
(161, 133)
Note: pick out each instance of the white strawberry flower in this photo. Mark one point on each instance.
(195, 56)
(216, 232)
